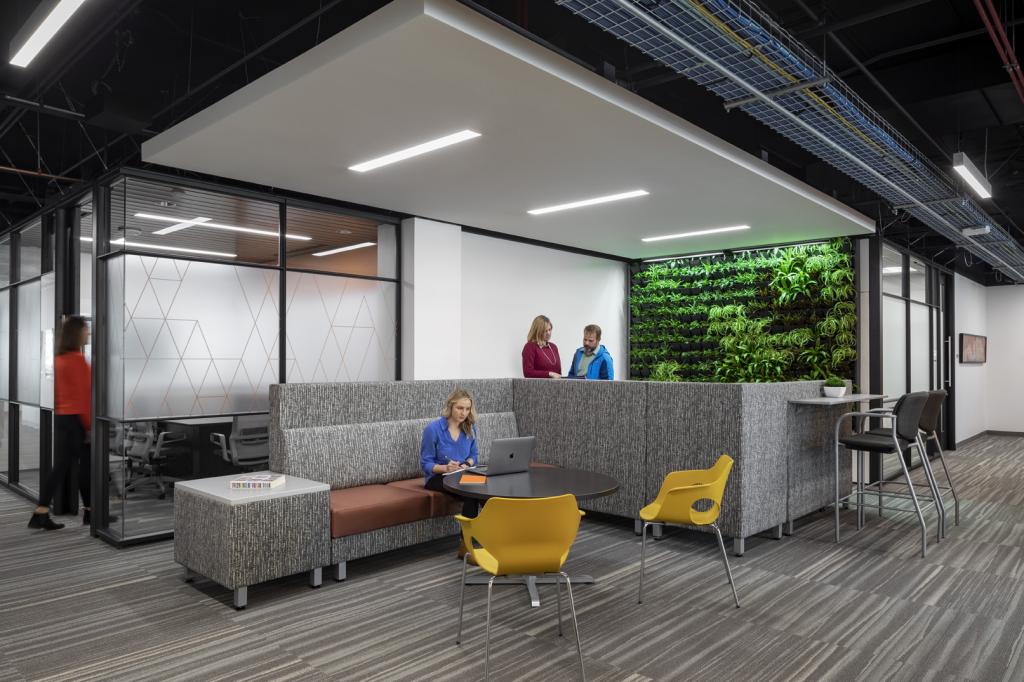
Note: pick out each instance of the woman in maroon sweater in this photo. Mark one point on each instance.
(540, 357)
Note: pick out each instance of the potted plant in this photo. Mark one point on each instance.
(835, 387)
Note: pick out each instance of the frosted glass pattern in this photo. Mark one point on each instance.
(5, 346)
(115, 337)
(894, 346)
(47, 306)
(29, 342)
(199, 338)
(340, 329)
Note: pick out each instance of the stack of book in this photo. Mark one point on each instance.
(257, 481)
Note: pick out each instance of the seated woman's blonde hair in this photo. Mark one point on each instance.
(457, 395)
(537, 329)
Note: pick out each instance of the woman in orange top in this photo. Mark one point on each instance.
(71, 423)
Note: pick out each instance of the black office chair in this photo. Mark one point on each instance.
(898, 438)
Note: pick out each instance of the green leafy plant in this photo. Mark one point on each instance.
(834, 382)
(667, 370)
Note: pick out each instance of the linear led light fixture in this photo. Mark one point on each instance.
(410, 152)
(972, 176)
(182, 223)
(696, 233)
(895, 270)
(976, 230)
(692, 255)
(47, 19)
(345, 248)
(632, 194)
(179, 249)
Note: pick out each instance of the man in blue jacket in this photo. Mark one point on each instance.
(592, 361)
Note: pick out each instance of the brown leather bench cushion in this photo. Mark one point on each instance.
(369, 507)
(440, 503)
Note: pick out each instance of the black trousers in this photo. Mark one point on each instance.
(68, 445)
(470, 507)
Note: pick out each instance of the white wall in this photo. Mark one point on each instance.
(506, 284)
(1005, 367)
(972, 388)
(433, 299)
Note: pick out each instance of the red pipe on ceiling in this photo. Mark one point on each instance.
(990, 18)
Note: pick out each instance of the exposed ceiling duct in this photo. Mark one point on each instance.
(735, 50)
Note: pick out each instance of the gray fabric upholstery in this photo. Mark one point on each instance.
(395, 537)
(595, 425)
(809, 442)
(763, 474)
(309, 405)
(347, 455)
(689, 425)
(245, 544)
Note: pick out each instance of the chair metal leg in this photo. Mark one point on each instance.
(881, 477)
(462, 596)
(836, 512)
(643, 557)
(558, 599)
(487, 630)
(956, 499)
(860, 489)
(725, 560)
(913, 497)
(575, 625)
(929, 475)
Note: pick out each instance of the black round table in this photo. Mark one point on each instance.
(537, 482)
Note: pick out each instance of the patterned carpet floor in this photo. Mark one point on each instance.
(72, 607)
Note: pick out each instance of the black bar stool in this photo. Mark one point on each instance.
(899, 438)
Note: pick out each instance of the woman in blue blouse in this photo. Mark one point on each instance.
(449, 444)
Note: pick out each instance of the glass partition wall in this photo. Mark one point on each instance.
(913, 329)
(200, 297)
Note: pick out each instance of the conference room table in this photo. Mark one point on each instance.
(539, 481)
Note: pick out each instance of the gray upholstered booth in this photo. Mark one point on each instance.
(363, 439)
(634, 431)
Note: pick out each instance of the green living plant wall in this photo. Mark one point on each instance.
(773, 315)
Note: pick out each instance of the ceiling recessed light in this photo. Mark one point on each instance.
(590, 202)
(179, 249)
(345, 248)
(972, 176)
(410, 152)
(696, 233)
(182, 223)
(50, 15)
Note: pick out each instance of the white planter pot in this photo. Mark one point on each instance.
(834, 391)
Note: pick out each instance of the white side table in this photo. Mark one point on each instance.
(239, 538)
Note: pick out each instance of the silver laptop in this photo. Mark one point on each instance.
(508, 456)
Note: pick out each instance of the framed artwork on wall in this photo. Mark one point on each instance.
(973, 349)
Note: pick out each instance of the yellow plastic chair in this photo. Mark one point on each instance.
(680, 491)
(521, 537)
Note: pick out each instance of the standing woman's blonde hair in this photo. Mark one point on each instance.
(457, 395)
(537, 329)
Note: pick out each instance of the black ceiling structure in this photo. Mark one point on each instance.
(124, 70)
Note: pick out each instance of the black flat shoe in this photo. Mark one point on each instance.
(44, 522)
